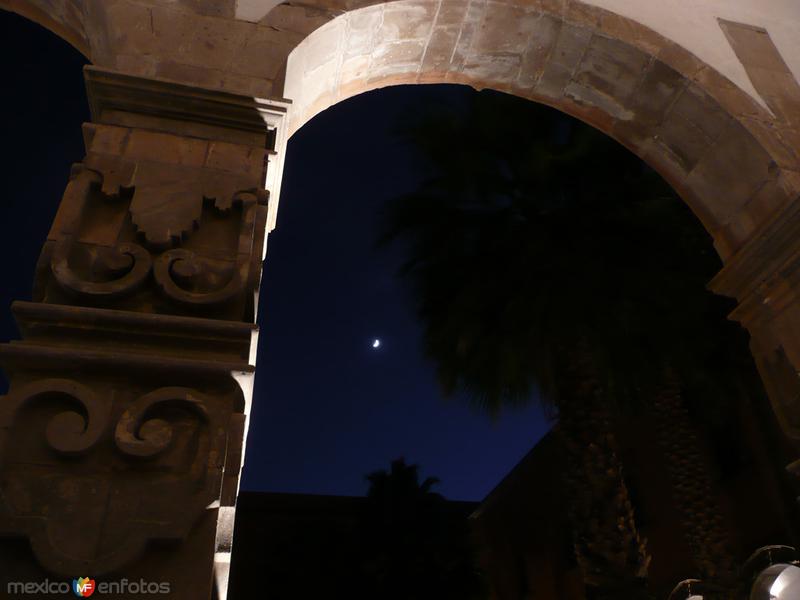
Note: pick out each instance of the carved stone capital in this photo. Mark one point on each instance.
(161, 105)
(137, 234)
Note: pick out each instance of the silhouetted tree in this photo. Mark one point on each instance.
(413, 544)
(546, 258)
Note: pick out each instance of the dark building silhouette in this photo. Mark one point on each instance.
(298, 546)
(522, 528)
(302, 546)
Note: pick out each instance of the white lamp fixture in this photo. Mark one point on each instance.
(777, 582)
(779, 579)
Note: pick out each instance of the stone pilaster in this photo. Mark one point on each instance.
(121, 438)
(764, 276)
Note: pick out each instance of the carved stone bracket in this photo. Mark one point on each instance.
(129, 101)
(93, 472)
(128, 263)
(218, 264)
(49, 519)
(61, 508)
(68, 433)
(143, 438)
(167, 198)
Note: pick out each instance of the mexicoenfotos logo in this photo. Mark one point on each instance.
(83, 587)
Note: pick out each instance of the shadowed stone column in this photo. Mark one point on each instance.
(764, 276)
(121, 437)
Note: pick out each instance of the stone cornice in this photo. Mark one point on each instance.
(25, 354)
(765, 272)
(112, 92)
(149, 103)
(98, 337)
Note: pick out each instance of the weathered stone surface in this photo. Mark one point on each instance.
(536, 56)
(505, 29)
(659, 89)
(501, 68)
(684, 140)
(608, 75)
(439, 49)
(132, 500)
(452, 13)
(396, 55)
(697, 107)
(731, 159)
(411, 21)
(263, 53)
(297, 19)
(163, 147)
(567, 53)
(213, 8)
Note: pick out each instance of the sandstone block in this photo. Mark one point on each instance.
(736, 159)
(541, 43)
(612, 69)
(658, 90)
(440, 49)
(407, 21)
(505, 29)
(166, 148)
(235, 158)
(566, 55)
(108, 140)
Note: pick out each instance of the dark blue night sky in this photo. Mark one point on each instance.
(328, 408)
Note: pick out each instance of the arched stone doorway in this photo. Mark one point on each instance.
(187, 100)
(704, 135)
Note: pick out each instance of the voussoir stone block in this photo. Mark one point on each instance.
(439, 49)
(657, 92)
(505, 29)
(412, 21)
(609, 73)
(535, 57)
(569, 48)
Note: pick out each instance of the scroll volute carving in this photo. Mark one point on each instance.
(94, 270)
(194, 276)
(137, 236)
(118, 475)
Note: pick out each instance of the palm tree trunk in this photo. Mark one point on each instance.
(691, 478)
(608, 548)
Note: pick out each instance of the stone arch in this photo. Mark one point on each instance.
(701, 92)
(664, 104)
(727, 151)
(65, 18)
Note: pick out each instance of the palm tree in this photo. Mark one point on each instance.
(414, 544)
(548, 262)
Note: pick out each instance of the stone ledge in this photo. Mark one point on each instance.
(768, 253)
(35, 356)
(161, 104)
(97, 335)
